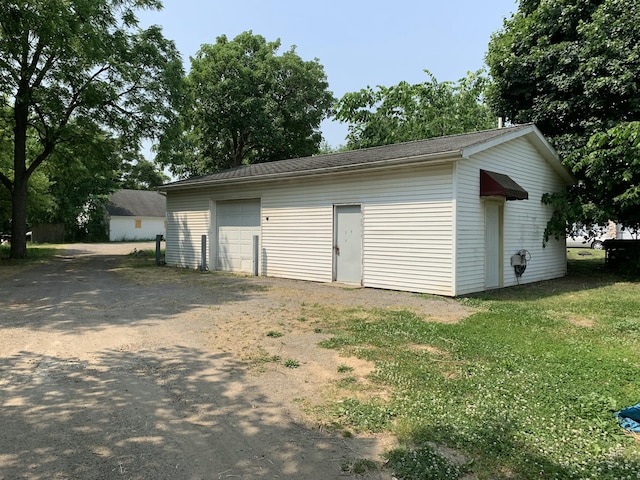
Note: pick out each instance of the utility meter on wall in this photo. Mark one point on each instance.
(519, 258)
(519, 262)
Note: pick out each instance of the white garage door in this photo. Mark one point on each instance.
(237, 222)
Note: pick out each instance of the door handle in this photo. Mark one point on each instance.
(337, 249)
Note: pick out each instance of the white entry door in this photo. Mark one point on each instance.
(237, 222)
(347, 248)
(493, 245)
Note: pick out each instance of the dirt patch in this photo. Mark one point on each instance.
(578, 321)
(175, 375)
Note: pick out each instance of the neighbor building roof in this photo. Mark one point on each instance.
(137, 203)
(451, 147)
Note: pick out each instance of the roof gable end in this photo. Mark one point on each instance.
(540, 143)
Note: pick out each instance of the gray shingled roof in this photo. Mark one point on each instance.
(137, 203)
(368, 157)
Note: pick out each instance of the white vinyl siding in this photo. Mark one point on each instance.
(297, 239)
(408, 246)
(407, 226)
(524, 221)
(187, 221)
(125, 228)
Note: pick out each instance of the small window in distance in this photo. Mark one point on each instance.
(138, 223)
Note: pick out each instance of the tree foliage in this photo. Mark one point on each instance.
(80, 172)
(610, 165)
(405, 112)
(248, 105)
(142, 174)
(570, 67)
(573, 68)
(71, 68)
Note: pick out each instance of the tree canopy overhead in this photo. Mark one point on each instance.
(573, 68)
(406, 112)
(74, 69)
(570, 67)
(248, 105)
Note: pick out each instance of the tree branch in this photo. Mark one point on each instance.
(73, 103)
(47, 65)
(6, 182)
(52, 139)
(31, 67)
(48, 148)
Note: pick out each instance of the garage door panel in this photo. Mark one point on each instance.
(238, 221)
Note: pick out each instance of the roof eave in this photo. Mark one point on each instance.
(369, 166)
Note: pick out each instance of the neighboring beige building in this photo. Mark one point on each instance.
(136, 215)
(441, 216)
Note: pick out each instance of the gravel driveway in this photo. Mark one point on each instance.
(107, 377)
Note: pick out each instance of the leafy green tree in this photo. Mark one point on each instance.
(610, 166)
(248, 105)
(142, 174)
(573, 68)
(407, 112)
(80, 172)
(570, 67)
(71, 67)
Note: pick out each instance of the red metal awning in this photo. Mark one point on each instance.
(497, 184)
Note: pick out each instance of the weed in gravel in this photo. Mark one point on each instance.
(359, 466)
(259, 358)
(344, 369)
(291, 363)
(347, 382)
(274, 334)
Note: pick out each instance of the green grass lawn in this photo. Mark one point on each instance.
(525, 388)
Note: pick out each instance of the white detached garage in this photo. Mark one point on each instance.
(443, 216)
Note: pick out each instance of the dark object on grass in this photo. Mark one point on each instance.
(629, 418)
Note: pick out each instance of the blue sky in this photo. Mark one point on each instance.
(358, 42)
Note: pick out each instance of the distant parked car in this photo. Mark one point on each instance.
(580, 237)
(6, 237)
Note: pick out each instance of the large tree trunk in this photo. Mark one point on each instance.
(19, 218)
(20, 179)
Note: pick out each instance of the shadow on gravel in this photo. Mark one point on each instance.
(174, 413)
(80, 294)
(161, 412)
